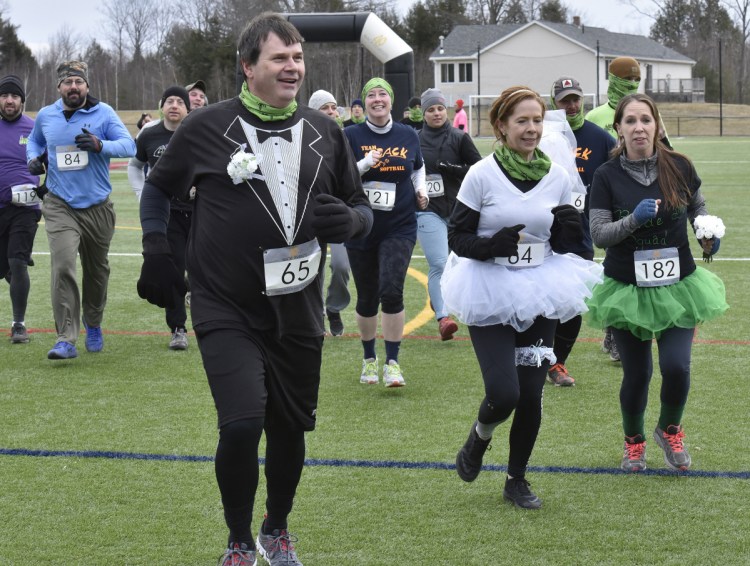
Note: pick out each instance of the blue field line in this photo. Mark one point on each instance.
(387, 464)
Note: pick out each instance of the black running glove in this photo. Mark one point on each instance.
(505, 241)
(334, 221)
(568, 220)
(88, 141)
(160, 282)
(36, 166)
(452, 169)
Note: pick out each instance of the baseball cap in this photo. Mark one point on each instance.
(200, 85)
(565, 86)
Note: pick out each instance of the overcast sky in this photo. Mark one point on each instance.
(40, 20)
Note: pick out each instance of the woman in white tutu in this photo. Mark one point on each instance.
(509, 280)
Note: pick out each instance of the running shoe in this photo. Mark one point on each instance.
(469, 458)
(634, 454)
(671, 441)
(278, 548)
(94, 338)
(392, 376)
(238, 554)
(62, 351)
(558, 374)
(18, 334)
(179, 340)
(447, 327)
(518, 492)
(335, 323)
(369, 371)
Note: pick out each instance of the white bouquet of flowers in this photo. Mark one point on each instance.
(242, 166)
(708, 227)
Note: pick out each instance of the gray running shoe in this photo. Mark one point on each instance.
(179, 340)
(238, 554)
(278, 548)
(517, 492)
(558, 375)
(634, 455)
(18, 334)
(675, 454)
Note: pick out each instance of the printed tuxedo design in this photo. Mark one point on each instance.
(281, 155)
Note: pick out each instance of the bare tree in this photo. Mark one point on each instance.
(741, 12)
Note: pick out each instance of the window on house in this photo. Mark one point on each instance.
(447, 73)
(465, 72)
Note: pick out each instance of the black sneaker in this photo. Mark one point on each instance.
(517, 492)
(335, 323)
(469, 458)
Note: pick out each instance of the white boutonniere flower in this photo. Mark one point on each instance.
(242, 165)
(708, 227)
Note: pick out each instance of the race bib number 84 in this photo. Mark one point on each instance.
(70, 158)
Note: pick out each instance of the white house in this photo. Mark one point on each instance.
(485, 59)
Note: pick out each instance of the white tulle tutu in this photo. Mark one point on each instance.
(482, 293)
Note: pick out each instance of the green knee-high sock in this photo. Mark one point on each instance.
(670, 415)
(633, 424)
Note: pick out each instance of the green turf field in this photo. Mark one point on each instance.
(107, 459)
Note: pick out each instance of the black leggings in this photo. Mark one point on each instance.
(510, 388)
(675, 345)
(237, 473)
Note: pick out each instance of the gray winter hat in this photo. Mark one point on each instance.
(431, 97)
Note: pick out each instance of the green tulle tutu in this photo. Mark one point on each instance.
(648, 311)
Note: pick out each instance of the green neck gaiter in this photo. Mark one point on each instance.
(264, 111)
(518, 168)
(415, 114)
(358, 119)
(618, 88)
(575, 121)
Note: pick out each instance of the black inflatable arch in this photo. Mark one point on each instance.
(375, 36)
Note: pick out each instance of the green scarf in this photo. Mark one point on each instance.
(264, 111)
(575, 121)
(357, 120)
(518, 168)
(415, 114)
(619, 88)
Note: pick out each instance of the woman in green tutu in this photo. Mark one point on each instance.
(641, 202)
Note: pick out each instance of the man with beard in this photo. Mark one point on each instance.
(276, 184)
(19, 202)
(80, 134)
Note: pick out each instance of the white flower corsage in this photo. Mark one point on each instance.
(708, 227)
(242, 166)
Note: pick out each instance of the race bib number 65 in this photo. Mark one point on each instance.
(291, 269)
